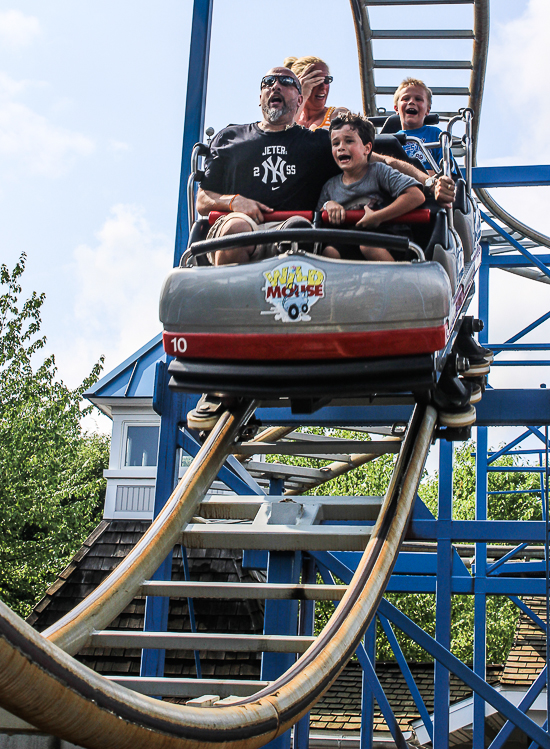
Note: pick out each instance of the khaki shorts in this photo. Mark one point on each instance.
(261, 251)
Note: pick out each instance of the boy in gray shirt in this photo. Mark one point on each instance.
(364, 185)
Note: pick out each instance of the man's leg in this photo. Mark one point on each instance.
(234, 225)
(376, 253)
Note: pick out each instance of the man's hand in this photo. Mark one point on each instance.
(336, 213)
(445, 191)
(370, 220)
(252, 208)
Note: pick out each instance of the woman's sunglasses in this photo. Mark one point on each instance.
(284, 80)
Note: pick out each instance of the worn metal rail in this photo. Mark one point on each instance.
(42, 684)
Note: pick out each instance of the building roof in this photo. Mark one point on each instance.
(527, 656)
(102, 552)
(134, 378)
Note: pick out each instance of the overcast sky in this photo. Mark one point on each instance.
(92, 97)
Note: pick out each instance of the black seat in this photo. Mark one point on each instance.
(461, 200)
(393, 123)
(439, 234)
(198, 232)
(392, 145)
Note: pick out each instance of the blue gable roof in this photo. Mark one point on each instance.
(134, 378)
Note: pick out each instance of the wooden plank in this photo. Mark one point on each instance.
(241, 591)
(276, 537)
(162, 687)
(203, 641)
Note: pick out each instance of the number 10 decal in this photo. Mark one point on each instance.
(180, 345)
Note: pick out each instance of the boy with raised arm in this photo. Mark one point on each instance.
(413, 101)
(381, 192)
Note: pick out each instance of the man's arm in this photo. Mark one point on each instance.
(443, 190)
(208, 200)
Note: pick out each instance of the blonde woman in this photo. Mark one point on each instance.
(314, 75)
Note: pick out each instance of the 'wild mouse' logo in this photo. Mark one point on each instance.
(292, 288)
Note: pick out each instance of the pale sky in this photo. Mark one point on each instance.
(92, 98)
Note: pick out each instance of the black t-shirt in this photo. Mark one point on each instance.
(285, 170)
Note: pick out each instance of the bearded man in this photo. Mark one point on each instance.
(266, 166)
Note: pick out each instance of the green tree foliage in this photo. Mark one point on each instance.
(502, 614)
(51, 483)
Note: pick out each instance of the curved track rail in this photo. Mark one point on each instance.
(42, 684)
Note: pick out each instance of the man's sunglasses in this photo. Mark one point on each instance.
(285, 80)
(328, 79)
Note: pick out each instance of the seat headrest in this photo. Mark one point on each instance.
(393, 123)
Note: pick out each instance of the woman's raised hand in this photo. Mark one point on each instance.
(309, 79)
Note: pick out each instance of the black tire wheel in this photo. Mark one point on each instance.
(305, 308)
(293, 311)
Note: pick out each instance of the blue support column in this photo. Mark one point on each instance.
(195, 105)
(480, 601)
(280, 617)
(171, 407)
(443, 598)
(367, 695)
(306, 623)
(483, 291)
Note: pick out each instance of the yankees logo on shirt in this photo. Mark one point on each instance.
(285, 170)
(274, 168)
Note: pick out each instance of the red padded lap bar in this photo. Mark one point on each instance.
(419, 216)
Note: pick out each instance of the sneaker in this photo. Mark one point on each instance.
(206, 413)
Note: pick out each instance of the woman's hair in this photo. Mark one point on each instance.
(412, 82)
(299, 64)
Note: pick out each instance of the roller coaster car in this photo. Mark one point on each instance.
(306, 327)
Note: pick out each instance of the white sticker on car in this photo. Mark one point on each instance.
(292, 288)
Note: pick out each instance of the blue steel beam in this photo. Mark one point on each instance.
(533, 258)
(530, 613)
(172, 406)
(441, 654)
(195, 105)
(409, 678)
(489, 693)
(477, 530)
(480, 601)
(514, 261)
(443, 593)
(366, 736)
(511, 176)
(502, 407)
(379, 695)
(531, 695)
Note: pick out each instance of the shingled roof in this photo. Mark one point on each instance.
(340, 708)
(102, 551)
(527, 656)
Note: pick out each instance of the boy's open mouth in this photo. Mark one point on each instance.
(344, 158)
(411, 110)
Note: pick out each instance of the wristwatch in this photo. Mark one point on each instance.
(430, 183)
